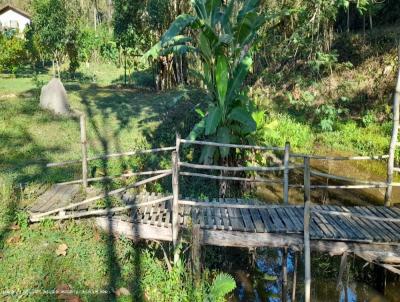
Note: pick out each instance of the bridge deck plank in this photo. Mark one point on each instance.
(255, 215)
(371, 226)
(277, 220)
(392, 233)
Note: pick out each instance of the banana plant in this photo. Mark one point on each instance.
(221, 36)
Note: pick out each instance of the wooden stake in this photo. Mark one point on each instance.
(175, 201)
(343, 263)
(393, 142)
(178, 142)
(84, 151)
(286, 173)
(294, 277)
(307, 215)
(196, 253)
(307, 181)
(284, 274)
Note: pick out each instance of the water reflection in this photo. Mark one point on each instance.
(264, 282)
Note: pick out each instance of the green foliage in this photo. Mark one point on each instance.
(222, 285)
(22, 219)
(223, 41)
(13, 54)
(371, 140)
(163, 285)
(281, 128)
(328, 115)
(57, 26)
(324, 63)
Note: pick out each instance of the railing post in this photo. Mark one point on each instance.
(82, 120)
(307, 216)
(178, 143)
(393, 142)
(175, 193)
(286, 158)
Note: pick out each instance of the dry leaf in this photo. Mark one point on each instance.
(96, 235)
(62, 250)
(64, 293)
(14, 227)
(122, 292)
(14, 239)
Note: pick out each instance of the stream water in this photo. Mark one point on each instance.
(259, 275)
(259, 278)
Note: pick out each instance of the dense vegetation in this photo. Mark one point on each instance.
(319, 74)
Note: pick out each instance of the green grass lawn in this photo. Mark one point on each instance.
(118, 120)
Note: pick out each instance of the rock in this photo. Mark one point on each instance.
(54, 97)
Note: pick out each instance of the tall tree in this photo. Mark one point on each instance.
(57, 25)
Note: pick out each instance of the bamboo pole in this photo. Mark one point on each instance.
(205, 143)
(230, 178)
(284, 274)
(393, 142)
(232, 205)
(353, 180)
(307, 215)
(111, 193)
(196, 253)
(84, 151)
(177, 143)
(128, 153)
(343, 264)
(235, 169)
(354, 215)
(294, 277)
(100, 211)
(175, 201)
(125, 175)
(286, 173)
(322, 157)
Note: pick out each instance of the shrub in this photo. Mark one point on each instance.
(371, 140)
(281, 128)
(13, 54)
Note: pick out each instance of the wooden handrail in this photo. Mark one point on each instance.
(306, 230)
(353, 215)
(125, 175)
(322, 157)
(104, 195)
(251, 168)
(230, 178)
(203, 204)
(342, 178)
(206, 143)
(129, 153)
(102, 211)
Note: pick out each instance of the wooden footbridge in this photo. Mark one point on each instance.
(372, 233)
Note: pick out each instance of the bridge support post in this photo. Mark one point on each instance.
(393, 143)
(343, 264)
(82, 122)
(284, 275)
(175, 200)
(196, 253)
(294, 277)
(286, 158)
(307, 217)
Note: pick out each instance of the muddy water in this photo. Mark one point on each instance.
(262, 280)
(368, 170)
